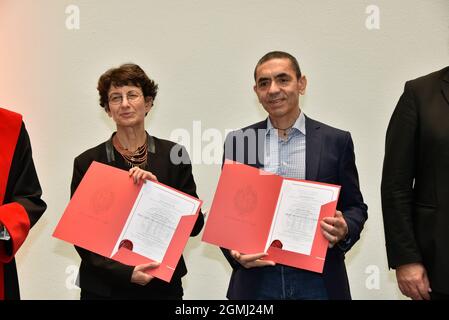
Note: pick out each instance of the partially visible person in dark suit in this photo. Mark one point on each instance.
(415, 188)
(21, 205)
(127, 95)
(290, 144)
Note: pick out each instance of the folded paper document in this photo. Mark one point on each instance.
(133, 224)
(255, 211)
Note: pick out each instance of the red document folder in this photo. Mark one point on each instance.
(98, 211)
(242, 213)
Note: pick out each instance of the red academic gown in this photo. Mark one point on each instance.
(20, 192)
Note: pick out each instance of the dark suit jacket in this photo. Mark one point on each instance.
(415, 179)
(107, 278)
(329, 158)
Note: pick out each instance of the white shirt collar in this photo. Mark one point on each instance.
(300, 124)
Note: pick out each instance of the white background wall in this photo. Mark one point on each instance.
(202, 54)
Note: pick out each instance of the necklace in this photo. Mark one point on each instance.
(284, 131)
(136, 158)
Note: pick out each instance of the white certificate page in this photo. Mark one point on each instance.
(297, 212)
(153, 220)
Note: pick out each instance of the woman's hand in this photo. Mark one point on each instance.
(139, 275)
(251, 260)
(141, 175)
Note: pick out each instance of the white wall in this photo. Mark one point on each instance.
(202, 54)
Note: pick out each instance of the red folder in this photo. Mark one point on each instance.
(242, 213)
(98, 211)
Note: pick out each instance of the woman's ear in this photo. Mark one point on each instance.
(148, 104)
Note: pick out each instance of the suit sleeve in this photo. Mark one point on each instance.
(108, 269)
(351, 200)
(397, 182)
(23, 204)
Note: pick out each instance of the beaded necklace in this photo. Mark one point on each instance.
(136, 158)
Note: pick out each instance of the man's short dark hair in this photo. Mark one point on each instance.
(279, 55)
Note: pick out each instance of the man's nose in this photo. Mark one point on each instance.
(274, 88)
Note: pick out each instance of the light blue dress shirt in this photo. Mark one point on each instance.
(286, 158)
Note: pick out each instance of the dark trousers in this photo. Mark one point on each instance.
(439, 296)
(278, 283)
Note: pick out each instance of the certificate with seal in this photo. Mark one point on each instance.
(133, 224)
(256, 211)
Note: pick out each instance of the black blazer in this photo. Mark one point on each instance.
(107, 278)
(415, 178)
(329, 158)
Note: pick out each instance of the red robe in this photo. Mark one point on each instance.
(20, 204)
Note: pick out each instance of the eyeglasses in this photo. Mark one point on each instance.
(117, 99)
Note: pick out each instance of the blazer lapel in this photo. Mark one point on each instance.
(260, 130)
(445, 86)
(313, 149)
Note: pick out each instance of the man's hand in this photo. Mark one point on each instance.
(139, 175)
(334, 228)
(251, 260)
(413, 281)
(139, 275)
